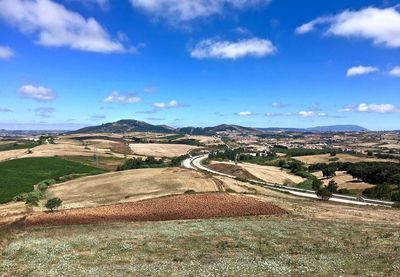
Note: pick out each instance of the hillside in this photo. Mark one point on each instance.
(126, 125)
(320, 129)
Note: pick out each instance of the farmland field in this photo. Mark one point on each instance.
(129, 185)
(327, 158)
(161, 150)
(15, 146)
(19, 176)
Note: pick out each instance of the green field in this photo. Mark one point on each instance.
(172, 137)
(15, 146)
(20, 175)
(252, 246)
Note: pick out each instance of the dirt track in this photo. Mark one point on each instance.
(193, 206)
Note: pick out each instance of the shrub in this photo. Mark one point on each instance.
(42, 187)
(53, 203)
(332, 186)
(324, 193)
(32, 199)
(329, 172)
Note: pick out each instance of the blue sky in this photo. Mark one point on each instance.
(67, 64)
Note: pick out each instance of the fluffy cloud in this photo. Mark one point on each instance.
(171, 104)
(186, 10)
(382, 26)
(361, 70)
(6, 53)
(44, 112)
(371, 108)
(254, 47)
(395, 72)
(39, 93)
(115, 97)
(56, 26)
(244, 113)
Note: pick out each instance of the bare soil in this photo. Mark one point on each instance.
(232, 169)
(193, 206)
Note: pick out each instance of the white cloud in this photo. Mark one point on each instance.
(244, 113)
(279, 105)
(395, 72)
(186, 10)
(6, 53)
(56, 26)
(39, 93)
(361, 70)
(115, 97)
(254, 47)
(382, 26)
(311, 114)
(171, 104)
(372, 108)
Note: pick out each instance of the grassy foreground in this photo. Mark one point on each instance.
(255, 246)
(20, 175)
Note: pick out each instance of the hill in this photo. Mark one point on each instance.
(126, 125)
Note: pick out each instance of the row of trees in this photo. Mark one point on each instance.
(151, 162)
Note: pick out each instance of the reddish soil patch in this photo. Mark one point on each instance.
(194, 206)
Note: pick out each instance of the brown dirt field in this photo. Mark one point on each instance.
(193, 206)
(313, 159)
(272, 174)
(129, 186)
(231, 169)
(161, 150)
(344, 181)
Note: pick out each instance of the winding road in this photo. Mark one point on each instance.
(196, 163)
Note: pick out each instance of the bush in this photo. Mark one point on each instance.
(329, 172)
(332, 186)
(42, 187)
(53, 203)
(324, 193)
(32, 199)
(316, 184)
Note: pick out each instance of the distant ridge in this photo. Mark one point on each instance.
(131, 125)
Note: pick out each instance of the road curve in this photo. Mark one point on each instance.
(196, 163)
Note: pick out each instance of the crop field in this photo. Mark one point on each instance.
(327, 158)
(161, 150)
(19, 176)
(129, 186)
(252, 246)
(345, 181)
(272, 174)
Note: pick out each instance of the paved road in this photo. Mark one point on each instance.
(195, 163)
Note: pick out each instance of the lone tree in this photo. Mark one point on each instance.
(316, 184)
(53, 203)
(324, 193)
(329, 172)
(332, 186)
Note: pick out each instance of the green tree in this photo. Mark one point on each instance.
(32, 199)
(53, 203)
(329, 172)
(316, 184)
(324, 193)
(332, 186)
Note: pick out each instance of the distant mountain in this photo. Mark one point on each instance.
(126, 125)
(320, 129)
(338, 128)
(216, 129)
(130, 125)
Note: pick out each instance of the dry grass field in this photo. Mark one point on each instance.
(344, 181)
(272, 174)
(161, 150)
(128, 186)
(326, 158)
